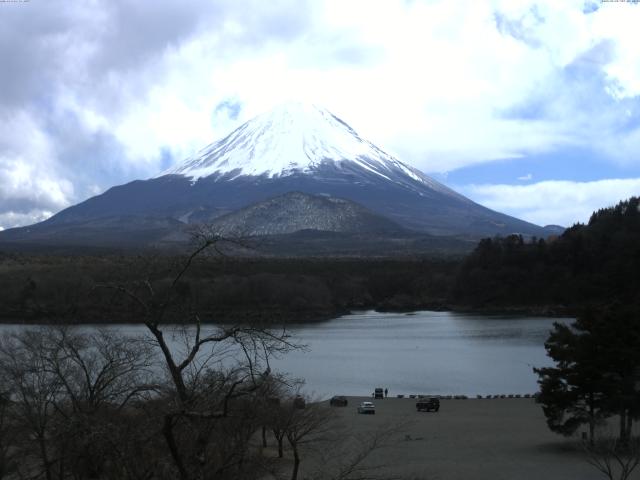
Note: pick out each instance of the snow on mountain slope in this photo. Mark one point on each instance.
(297, 138)
(293, 148)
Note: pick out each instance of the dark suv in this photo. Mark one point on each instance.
(338, 401)
(428, 404)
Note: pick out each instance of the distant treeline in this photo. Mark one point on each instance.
(83, 289)
(588, 265)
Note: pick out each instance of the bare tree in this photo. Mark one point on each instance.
(278, 422)
(98, 369)
(348, 456)
(8, 461)
(304, 425)
(97, 405)
(101, 374)
(614, 458)
(276, 414)
(68, 392)
(35, 391)
(211, 377)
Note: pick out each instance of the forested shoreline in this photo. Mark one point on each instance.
(55, 289)
(589, 266)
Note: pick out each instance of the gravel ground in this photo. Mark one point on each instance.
(469, 439)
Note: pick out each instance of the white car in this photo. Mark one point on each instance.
(367, 407)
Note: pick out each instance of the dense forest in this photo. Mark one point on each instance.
(588, 265)
(81, 289)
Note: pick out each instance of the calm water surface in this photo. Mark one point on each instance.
(421, 353)
(417, 353)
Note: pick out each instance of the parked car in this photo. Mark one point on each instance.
(367, 407)
(338, 401)
(428, 404)
(378, 393)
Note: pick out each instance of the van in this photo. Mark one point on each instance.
(378, 393)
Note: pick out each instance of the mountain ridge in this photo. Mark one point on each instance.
(294, 137)
(297, 211)
(294, 148)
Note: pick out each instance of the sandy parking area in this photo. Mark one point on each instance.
(471, 439)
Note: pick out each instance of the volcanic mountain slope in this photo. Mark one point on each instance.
(122, 231)
(299, 225)
(295, 147)
(296, 211)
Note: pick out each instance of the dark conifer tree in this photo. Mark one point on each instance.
(597, 372)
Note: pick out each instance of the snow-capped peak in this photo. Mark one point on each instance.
(294, 138)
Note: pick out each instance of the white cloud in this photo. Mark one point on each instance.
(621, 24)
(12, 219)
(428, 81)
(30, 186)
(554, 202)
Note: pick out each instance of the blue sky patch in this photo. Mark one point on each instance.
(231, 107)
(573, 164)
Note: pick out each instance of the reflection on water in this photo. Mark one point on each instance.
(416, 353)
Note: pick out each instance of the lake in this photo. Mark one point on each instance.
(421, 353)
(414, 353)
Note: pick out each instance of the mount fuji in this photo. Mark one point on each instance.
(295, 147)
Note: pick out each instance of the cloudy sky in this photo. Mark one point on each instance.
(528, 107)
